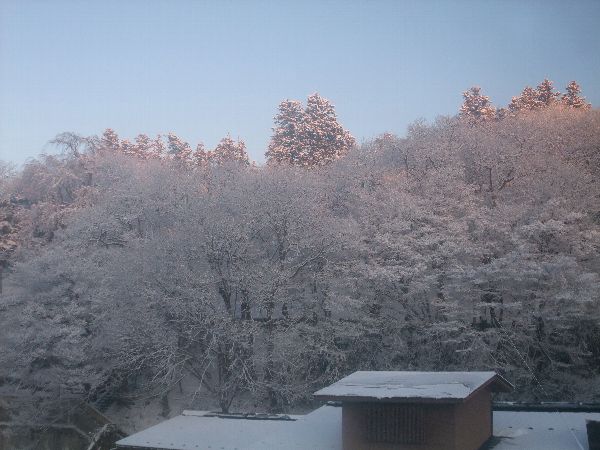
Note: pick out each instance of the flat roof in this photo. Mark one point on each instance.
(322, 430)
(204, 430)
(409, 387)
(540, 430)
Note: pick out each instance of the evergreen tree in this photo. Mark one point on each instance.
(142, 146)
(476, 107)
(110, 140)
(533, 99)
(309, 137)
(200, 157)
(287, 140)
(324, 135)
(572, 99)
(157, 148)
(179, 149)
(128, 148)
(229, 151)
(546, 95)
(527, 101)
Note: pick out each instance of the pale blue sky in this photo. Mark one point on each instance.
(202, 69)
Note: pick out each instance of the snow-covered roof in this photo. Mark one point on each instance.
(541, 430)
(411, 386)
(319, 430)
(203, 430)
(322, 430)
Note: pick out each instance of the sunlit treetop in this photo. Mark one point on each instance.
(142, 146)
(308, 137)
(526, 101)
(200, 157)
(176, 149)
(476, 107)
(546, 95)
(228, 150)
(110, 140)
(572, 99)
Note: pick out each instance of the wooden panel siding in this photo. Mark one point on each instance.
(392, 423)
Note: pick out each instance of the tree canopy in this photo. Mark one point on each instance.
(308, 137)
(477, 108)
(141, 269)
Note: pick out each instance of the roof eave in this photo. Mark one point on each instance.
(362, 399)
(496, 383)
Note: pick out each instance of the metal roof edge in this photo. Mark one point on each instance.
(498, 382)
(576, 407)
(363, 399)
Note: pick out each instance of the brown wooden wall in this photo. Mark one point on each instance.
(462, 426)
(474, 421)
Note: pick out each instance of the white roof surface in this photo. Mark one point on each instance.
(193, 430)
(541, 430)
(417, 386)
(321, 430)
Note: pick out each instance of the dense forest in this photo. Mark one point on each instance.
(473, 242)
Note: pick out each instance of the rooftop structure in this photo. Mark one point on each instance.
(416, 410)
(321, 430)
(412, 387)
(374, 408)
(206, 430)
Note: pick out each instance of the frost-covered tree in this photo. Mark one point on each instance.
(228, 150)
(142, 146)
(7, 172)
(287, 140)
(308, 137)
(110, 140)
(573, 99)
(326, 140)
(546, 95)
(534, 99)
(526, 101)
(476, 108)
(200, 156)
(179, 149)
(128, 148)
(454, 247)
(146, 148)
(8, 219)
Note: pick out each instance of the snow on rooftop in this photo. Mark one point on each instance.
(200, 430)
(322, 430)
(541, 430)
(379, 385)
(319, 430)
